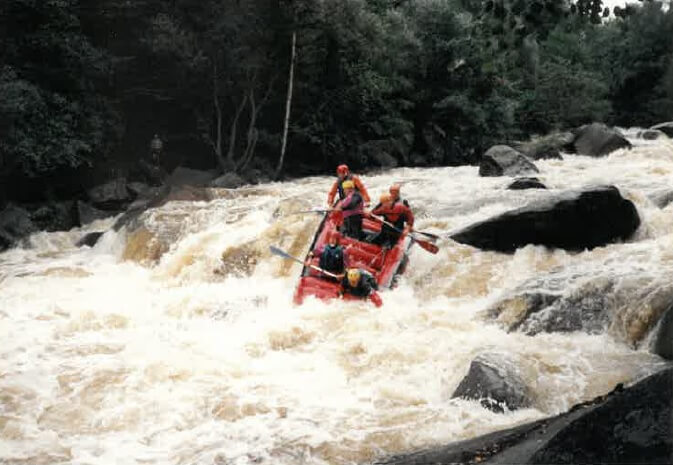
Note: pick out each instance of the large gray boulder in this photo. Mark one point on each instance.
(626, 426)
(573, 220)
(89, 239)
(56, 216)
(526, 183)
(546, 147)
(112, 195)
(666, 128)
(182, 176)
(663, 340)
(598, 140)
(503, 160)
(228, 181)
(496, 383)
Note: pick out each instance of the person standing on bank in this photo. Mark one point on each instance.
(352, 207)
(343, 175)
(156, 147)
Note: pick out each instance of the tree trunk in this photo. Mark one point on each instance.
(288, 104)
(233, 130)
(218, 116)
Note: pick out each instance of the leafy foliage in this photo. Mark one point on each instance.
(50, 112)
(413, 81)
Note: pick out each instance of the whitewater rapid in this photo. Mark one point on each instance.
(109, 356)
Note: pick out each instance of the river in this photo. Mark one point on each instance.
(196, 355)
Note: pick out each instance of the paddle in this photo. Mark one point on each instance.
(316, 210)
(429, 246)
(281, 253)
(434, 237)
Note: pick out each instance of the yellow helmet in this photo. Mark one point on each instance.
(353, 276)
(385, 198)
(348, 184)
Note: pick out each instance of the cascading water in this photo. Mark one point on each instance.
(178, 342)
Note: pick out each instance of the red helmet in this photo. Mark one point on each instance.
(334, 235)
(342, 169)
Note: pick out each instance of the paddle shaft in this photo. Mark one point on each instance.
(279, 252)
(430, 247)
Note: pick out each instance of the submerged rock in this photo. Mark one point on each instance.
(112, 195)
(631, 425)
(89, 239)
(597, 140)
(574, 220)
(496, 383)
(627, 306)
(526, 183)
(502, 160)
(547, 147)
(650, 134)
(662, 198)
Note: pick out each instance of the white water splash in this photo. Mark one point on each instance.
(107, 361)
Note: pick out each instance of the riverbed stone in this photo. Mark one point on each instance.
(494, 380)
(503, 160)
(598, 140)
(629, 425)
(573, 220)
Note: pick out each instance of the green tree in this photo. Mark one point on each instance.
(51, 115)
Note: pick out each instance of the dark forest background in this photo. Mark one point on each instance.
(85, 84)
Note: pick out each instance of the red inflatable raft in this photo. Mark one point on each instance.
(384, 265)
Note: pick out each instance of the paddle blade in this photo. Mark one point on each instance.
(429, 246)
(280, 253)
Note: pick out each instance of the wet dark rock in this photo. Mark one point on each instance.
(137, 189)
(182, 176)
(526, 183)
(663, 340)
(573, 220)
(56, 216)
(160, 196)
(112, 196)
(547, 147)
(87, 213)
(666, 128)
(496, 383)
(89, 239)
(585, 309)
(15, 224)
(650, 134)
(512, 311)
(627, 426)
(228, 181)
(502, 160)
(597, 140)
(662, 198)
